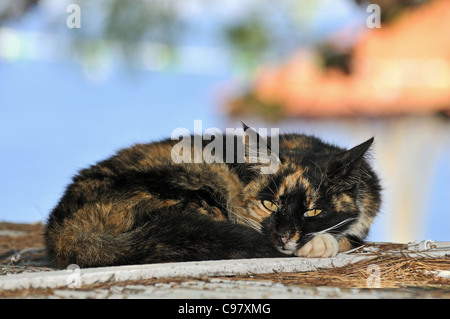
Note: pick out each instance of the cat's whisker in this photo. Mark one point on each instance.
(321, 177)
(327, 230)
(309, 236)
(277, 187)
(233, 211)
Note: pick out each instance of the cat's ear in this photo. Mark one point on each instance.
(251, 140)
(257, 149)
(246, 135)
(346, 170)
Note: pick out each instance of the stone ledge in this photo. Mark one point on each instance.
(235, 267)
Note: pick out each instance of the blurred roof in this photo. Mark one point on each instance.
(400, 68)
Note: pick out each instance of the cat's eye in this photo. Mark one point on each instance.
(269, 205)
(312, 212)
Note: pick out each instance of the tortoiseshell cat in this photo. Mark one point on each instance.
(139, 206)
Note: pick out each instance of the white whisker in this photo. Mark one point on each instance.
(345, 221)
(321, 178)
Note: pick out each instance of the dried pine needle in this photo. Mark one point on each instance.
(391, 271)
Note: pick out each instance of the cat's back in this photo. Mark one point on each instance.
(135, 158)
(300, 145)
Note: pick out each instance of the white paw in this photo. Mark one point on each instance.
(321, 246)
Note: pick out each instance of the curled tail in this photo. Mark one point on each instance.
(94, 235)
(98, 235)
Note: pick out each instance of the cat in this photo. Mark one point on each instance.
(140, 206)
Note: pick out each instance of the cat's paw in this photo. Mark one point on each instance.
(321, 246)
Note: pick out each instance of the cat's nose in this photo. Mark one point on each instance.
(283, 236)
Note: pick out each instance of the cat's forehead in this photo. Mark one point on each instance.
(293, 178)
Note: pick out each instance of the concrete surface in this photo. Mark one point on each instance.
(75, 276)
(231, 289)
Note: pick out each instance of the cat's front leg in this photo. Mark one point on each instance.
(321, 246)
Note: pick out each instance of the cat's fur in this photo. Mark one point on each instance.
(140, 207)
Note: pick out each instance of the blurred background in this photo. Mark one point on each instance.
(77, 85)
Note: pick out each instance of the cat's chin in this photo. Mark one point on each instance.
(289, 248)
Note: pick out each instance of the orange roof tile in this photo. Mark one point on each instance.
(400, 68)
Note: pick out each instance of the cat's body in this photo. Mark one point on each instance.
(139, 206)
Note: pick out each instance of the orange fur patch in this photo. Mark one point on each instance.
(343, 203)
(289, 182)
(344, 244)
(296, 236)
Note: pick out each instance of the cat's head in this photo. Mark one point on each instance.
(317, 188)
